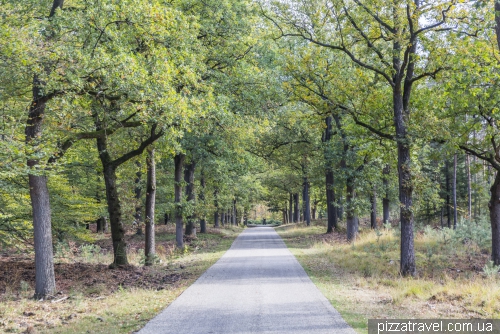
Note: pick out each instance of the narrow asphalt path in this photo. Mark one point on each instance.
(256, 287)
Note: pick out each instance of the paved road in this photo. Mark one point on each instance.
(256, 287)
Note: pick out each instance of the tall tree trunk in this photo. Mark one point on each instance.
(190, 196)
(102, 224)
(216, 219)
(455, 192)
(203, 220)
(331, 210)
(407, 256)
(307, 201)
(340, 207)
(385, 200)
(494, 206)
(45, 284)
(351, 218)
(149, 250)
(234, 212)
(138, 200)
(373, 214)
(330, 202)
(112, 199)
(114, 210)
(314, 209)
(179, 165)
(290, 209)
(216, 204)
(448, 203)
(469, 187)
(442, 217)
(296, 213)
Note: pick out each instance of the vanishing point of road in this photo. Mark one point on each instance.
(256, 287)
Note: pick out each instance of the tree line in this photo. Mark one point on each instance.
(112, 111)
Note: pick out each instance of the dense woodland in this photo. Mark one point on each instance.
(136, 113)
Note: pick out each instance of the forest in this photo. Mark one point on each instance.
(125, 117)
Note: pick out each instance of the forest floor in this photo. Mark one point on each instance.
(362, 280)
(94, 299)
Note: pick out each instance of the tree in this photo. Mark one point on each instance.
(45, 284)
(149, 248)
(469, 102)
(381, 39)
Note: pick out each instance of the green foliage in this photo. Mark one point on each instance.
(478, 232)
(90, 252)
(490, 269)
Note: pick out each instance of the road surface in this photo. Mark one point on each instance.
(256, 287)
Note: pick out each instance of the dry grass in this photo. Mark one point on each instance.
(362, 279)
(94, 299)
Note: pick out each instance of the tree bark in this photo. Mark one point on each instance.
(385, 200)
(115, 214)
(331, 210)
(314, 209)
(102, 225)
(190, 197)
(469, 187)
(216, 204)
(216, 219)
(149, 250)
(340, 207)
(351, 218)
(203, 221)
(179, 165)
(233, 213)
(494, 206)
(306, 201)
(407, 255)
(138, 199)
(290, 209)
(448, 204)
(373, 214)
(296, 213)
(45, 284)
(455, 216)
(330, 202)
(56, 4)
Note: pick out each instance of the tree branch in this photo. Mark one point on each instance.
(127, 156)
(66, 145)
(372, 129)
(376, 17)
(435, 25)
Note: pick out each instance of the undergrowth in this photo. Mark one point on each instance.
(88, 303)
